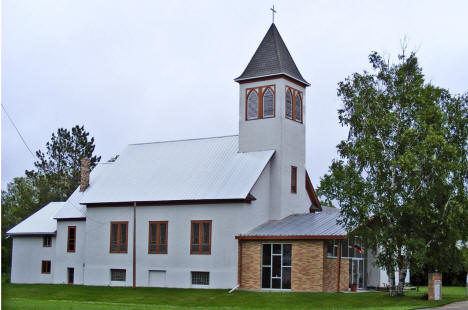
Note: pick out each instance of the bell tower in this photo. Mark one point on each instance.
(271, 117)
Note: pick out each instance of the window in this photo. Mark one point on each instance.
(268, 103)
(260, 102)
(252, 105)
(157, 240)
(298, 108)
(289, 104)
(118, 274)
(71, 239)
(71, 275)
(294, 109)
(350, 248)
(200, 278)
(200, 237)
(276, 266)
(293, 179)
(45, 266)
(47, 241)
(118, 237)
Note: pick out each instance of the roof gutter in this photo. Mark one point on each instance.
(291, 237)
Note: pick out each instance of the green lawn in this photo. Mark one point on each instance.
(60, 297)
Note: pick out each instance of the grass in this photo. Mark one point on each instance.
(61, 297)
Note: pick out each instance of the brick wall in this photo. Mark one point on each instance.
(307, 265)
(330, 273)
(312, 271)
(251, 255)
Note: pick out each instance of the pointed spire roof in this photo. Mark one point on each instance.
(271, 58)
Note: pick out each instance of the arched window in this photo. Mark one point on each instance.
(268, 103)
(252, 105)
(298, 108)
(289, 104)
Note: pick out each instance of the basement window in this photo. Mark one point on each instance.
(200, 278)
(118, 274)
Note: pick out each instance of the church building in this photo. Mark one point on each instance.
(224, 212)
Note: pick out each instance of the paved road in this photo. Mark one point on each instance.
(462, 305)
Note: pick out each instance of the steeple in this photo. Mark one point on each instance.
(272, 58)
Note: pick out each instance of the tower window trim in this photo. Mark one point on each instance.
(294, 93)
(260, 91)
(293, 179)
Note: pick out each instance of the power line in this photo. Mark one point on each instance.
(19, 133)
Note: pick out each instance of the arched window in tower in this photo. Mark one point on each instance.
(289, 104)
(298, 108)
(268, 103)
(252, 105)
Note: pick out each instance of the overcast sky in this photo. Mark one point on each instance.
(142, 71)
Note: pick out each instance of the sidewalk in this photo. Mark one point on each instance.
(453, 306)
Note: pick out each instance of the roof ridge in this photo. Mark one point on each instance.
(180, 140)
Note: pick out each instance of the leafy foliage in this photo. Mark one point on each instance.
(56, 176)
(402, 173)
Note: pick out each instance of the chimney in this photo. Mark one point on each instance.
(84, 182)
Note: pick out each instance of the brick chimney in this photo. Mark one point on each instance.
(84, 182)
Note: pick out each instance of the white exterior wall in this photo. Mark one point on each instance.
(228, 220)
(285, 136)
(64, 259)
(27, 256)
(377, 277)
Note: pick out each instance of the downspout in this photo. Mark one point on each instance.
(134, 245)
(338, 268)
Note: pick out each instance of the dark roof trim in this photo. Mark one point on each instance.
(272, 77)
(300, 237)
(248, 199)
(69, 219)
(312, 195)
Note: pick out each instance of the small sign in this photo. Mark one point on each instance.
(437, 290)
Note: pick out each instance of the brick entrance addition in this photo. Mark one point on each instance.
(311, 270)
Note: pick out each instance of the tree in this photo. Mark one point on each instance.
(56, 176)
(401, 178)
(57, 171)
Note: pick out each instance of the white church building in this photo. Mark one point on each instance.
(204, 213)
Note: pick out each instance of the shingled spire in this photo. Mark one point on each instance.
(271, 58)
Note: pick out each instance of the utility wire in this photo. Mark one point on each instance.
(19, 133)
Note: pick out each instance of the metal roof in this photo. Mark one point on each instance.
(271, 58)
(198, 169)
(72, 207)
(40, 223)
(308, 224)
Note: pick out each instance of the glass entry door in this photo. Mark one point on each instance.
(276, 266)
(356, 272)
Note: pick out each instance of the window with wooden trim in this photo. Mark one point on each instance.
(118, 237)
(293, 179)
(71, 240)
(118, 274)
(47, 241)
(46, 266)
(200, 239)
(157, 239)
(260, 102)
(294, 104)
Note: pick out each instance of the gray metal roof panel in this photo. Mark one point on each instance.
(308, 224)
(40, 222)
(271, 58)
(198, 169)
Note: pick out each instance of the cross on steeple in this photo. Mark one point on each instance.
(273, 14)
